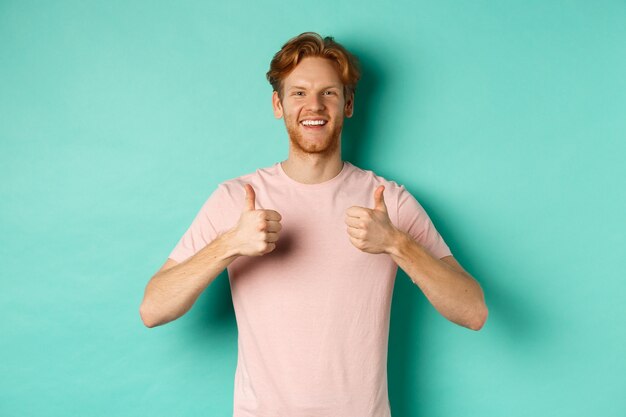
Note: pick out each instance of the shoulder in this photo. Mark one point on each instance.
(254, 177)
(233, 189)
(373, 179)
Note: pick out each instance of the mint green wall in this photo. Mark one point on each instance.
(505, 119)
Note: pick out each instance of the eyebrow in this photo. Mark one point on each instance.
(298, 87)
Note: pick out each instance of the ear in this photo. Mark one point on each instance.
(277, 105)
(349, 107)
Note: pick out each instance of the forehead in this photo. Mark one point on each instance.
(313, 71)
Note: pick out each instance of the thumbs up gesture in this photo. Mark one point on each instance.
(371, 230)
(256, 231)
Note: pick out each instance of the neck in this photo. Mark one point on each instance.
(312, 168)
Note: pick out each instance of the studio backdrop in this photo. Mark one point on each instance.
(505, 119)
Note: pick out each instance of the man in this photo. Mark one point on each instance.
(312, 306)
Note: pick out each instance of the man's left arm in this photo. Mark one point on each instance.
(448, 287)
(444, 282)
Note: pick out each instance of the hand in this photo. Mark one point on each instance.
(256, 232)
(370, 230)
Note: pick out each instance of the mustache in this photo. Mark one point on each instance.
(326, 116)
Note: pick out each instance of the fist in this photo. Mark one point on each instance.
(256, 231)
(371, 230)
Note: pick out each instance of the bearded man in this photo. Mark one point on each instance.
(312, 245)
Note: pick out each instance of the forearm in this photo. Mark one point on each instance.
(172, 292)
(455, 294)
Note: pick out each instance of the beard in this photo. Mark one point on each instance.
(325, 145)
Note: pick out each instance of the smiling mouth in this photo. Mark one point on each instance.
(314, 123)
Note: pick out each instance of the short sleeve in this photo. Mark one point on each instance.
(413, 219)
(203, 230)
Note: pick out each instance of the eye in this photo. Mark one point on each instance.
(298, 93)
(328, 93)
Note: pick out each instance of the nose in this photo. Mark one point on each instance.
(315, 103)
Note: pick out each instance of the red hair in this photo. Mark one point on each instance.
(311, 44)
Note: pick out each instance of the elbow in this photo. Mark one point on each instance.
(480, 318)
(147, 319)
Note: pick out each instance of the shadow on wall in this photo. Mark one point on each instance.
(214, 322)
(355, 137)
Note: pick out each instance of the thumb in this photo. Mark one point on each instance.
(250, 196)
(379, 199)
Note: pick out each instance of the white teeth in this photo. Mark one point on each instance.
(313, 122)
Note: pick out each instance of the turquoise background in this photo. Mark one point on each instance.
(505, 119)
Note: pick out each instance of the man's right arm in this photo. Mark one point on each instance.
(173, 290)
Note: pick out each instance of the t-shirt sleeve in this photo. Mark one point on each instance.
(413, 219)
(203, 230)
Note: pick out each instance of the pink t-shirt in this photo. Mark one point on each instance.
(313, 315)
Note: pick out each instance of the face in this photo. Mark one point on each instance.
(313, 106)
